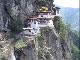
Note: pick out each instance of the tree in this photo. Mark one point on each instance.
(66, 33)
(61, 27)
(15, 25)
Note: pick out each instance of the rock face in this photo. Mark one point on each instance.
(12, 9)
(12, 56)
(58, 49)
(47, 46)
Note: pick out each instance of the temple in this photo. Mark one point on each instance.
(33, 24)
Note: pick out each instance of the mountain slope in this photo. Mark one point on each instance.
(71, 16)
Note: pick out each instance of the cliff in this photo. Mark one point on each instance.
(53, 47)
(46, 46)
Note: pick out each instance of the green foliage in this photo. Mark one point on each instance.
(40, 40)
(20, 44)
(3, 58)
(57, 21)
(43, 52)
(65, 33)
(40, 54)
(75, 37)
(15, 25)
(61, 27)
(75, 53)
(46, 30)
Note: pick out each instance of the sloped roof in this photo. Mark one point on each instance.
(44, 12)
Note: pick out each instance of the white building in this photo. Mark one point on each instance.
(45, 19)
(33, 24)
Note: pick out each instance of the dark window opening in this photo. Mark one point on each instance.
(33, 28)
(43, 21)
(26, 23)
(29, 30)
(41, 15)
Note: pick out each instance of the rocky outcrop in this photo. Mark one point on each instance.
(58, 49)
(14, 9)
(51, 44)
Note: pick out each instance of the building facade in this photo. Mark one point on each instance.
(33, 24)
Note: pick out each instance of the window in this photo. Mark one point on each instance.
(29, 30)
(33, 28)
(27, 25)
(41, 15)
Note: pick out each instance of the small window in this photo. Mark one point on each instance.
(41, 15)
(33, 28)
(29, 30)
(29, 25)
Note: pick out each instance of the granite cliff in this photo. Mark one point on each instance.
(46, 46)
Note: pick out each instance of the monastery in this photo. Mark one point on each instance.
(33, 24)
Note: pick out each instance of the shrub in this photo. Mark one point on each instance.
(15, 25)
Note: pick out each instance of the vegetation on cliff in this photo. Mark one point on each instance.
(66, 33)
(52, 43)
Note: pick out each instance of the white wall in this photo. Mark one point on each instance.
(50, 23)
(34, 28)
(44, 16)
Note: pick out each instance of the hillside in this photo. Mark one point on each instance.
(71, 16)
(52, 43)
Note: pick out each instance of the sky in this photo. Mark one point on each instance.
(67, 3)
